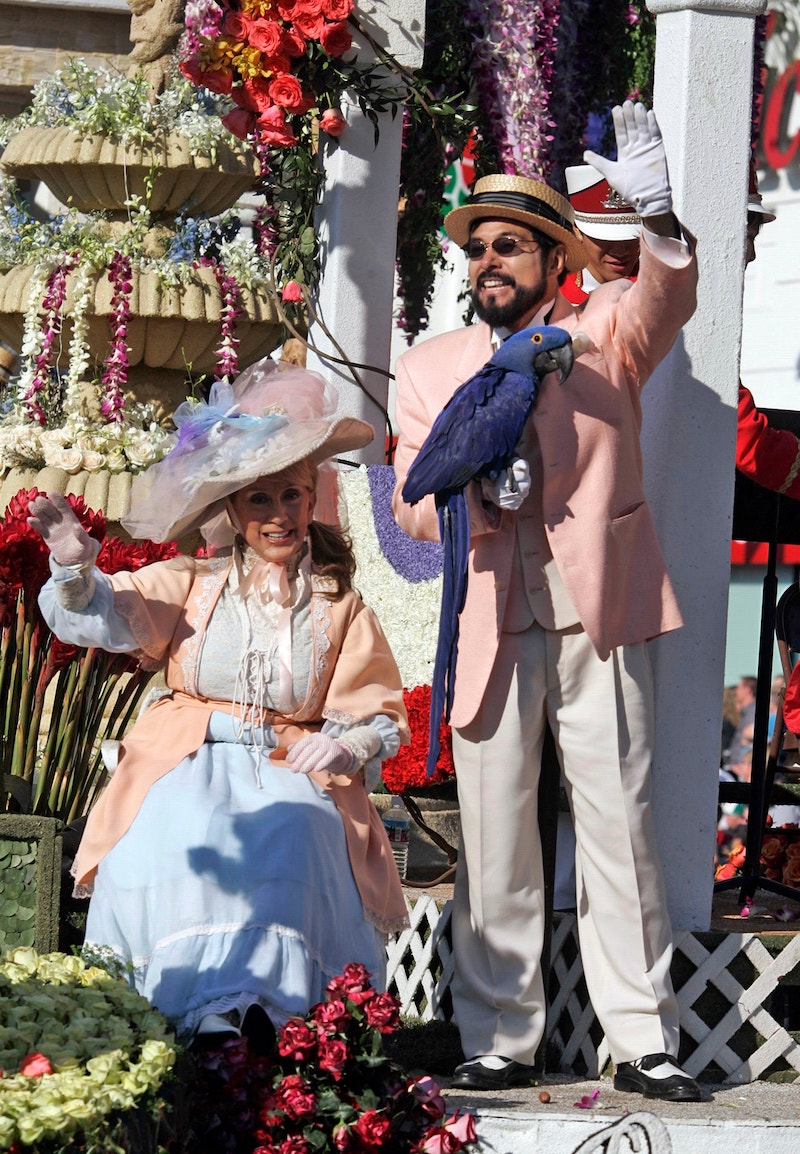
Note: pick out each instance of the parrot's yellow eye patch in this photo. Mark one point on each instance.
(536, 338)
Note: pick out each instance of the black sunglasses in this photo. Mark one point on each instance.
(474, 249)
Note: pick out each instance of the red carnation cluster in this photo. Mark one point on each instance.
(406, 770)
(270, 57)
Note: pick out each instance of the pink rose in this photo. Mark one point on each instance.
(336, 9)
(296, 1040)
(383, 1013)
(342, 1138)
(462, 1126)
(287, 91)
(266, 36)
(286, 9)
(333, 1056)
(332, 122)
(35, 1065)
(335, 38)
(273, 129)
(240, 122)
(331, 1017)
(438, 1140)
(372, 1128)
(428, 1093)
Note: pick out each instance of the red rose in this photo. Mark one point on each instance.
(331, 1017)
(372, 1128)
(309, 23)
(35, 1065)
(253, 94)
(333, 1056)
(296, 1040)
(342, 1138)
(273, 129)
(237, 25)
(356, 983)
(297, 1102)
(294, 1144)
(293, 44)
(240, 122)
(266, 36)
(214, 79)
(335, 38)
(287, 91)
(383, 1013)
(332, 122)
(336, 9)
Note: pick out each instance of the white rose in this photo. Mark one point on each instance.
(140, 453)
(93, 462)
(67, 459)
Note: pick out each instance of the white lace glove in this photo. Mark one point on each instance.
(639, 174)
(69, 543)
(510, 487)
(318, 751)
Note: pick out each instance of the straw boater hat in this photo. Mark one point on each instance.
(530, 202)
(600, 212)
(271, 417)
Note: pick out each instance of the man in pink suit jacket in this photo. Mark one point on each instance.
(567, 583)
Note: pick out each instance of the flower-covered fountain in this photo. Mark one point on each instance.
(121, 301)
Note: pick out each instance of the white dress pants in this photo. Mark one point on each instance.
(601, 715)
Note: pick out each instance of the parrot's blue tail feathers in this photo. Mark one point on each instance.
(454, 529)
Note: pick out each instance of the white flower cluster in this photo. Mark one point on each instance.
(104, 1043)
(408, 611)
(80, 444)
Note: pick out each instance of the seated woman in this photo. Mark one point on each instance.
(235, 856)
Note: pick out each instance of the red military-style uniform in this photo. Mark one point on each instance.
(767, 455)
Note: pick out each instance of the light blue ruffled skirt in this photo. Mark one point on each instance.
(223, 893)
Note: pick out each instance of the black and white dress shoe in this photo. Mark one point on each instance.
(492, 1072)
(657, 1076)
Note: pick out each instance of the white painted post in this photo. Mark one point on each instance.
(704, 54)
(357, 227)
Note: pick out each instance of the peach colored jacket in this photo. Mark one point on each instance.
(598, 524)
(353, 677)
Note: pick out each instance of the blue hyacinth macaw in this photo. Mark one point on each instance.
(475, 436)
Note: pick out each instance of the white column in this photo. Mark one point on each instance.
(702, 100)
(357, 228)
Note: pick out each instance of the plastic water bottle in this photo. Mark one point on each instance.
(398, 827)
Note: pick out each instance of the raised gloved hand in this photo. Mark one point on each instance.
(639, 174)
(510, 487)
(63, 534)
(318, 751)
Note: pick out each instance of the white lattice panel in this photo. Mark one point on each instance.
(717, 1007)
(419, 962)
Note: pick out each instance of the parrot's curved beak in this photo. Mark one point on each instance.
(550, 360)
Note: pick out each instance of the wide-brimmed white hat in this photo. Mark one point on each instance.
(272, 416)
(530, 202)
(599, 210)
(754, 201)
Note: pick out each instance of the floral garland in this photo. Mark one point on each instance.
(115, 372)
(76, 1045)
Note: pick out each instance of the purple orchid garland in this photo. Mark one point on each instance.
(115, 370)
(514, 53)
(52, 304)
(230, 311)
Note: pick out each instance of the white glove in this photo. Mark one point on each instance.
(639, 174)
(63, 534)
(318, 751)
(510, 487)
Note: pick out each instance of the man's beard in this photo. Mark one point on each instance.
(526, 299)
